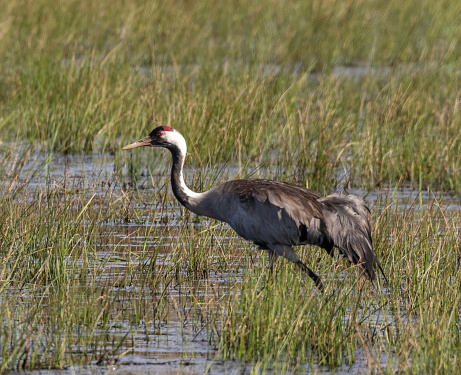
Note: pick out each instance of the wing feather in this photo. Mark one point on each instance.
(265, 211)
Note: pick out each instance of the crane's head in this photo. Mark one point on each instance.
(163, 136)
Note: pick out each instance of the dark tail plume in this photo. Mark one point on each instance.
(346, 218)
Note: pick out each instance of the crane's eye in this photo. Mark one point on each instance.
(159, 134)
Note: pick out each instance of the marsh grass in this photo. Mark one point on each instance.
(398, 327)
(90, 264)
(89, 267)
(246, 84)
(86, 267)
(58, 302)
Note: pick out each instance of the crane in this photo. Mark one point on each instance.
(275, 215)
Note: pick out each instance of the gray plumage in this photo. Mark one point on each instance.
(276, 215)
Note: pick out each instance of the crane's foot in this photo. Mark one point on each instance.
(312, 275)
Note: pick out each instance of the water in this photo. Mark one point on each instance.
(181, 343)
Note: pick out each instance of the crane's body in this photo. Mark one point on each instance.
(275, 215)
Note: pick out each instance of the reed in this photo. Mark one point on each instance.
(384, 106)
(326, 94)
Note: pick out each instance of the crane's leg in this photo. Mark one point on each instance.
(312, 275)
(288, 253)
(273, 256)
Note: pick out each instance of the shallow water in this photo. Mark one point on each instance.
(181, 344)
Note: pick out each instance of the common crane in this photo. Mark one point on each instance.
(275, 215)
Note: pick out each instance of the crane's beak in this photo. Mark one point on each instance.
(146, 141)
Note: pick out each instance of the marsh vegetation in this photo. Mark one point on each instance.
(99, 265)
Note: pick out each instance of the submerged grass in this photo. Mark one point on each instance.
(59, 305)
(321, 93)
(92, 271)
(403, 326)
